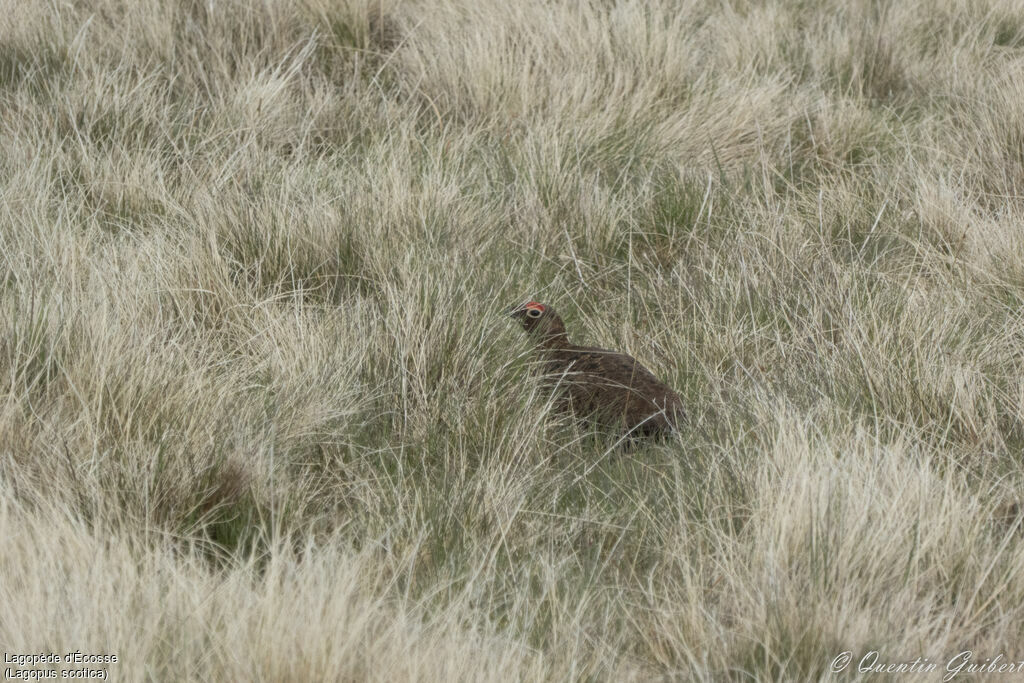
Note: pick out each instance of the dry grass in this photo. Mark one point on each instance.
(262, 418)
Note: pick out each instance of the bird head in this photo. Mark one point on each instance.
(541, 322)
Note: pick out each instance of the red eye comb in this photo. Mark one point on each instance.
(534, 305)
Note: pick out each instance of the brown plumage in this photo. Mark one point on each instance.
(607, 387)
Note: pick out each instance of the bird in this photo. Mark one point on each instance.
(605, 387)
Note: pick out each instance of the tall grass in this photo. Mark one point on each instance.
(262, 417)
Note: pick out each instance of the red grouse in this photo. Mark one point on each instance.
(607, 387)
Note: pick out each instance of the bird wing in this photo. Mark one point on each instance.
(617, 369)
(616, 386)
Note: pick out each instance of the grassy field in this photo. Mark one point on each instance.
(262, 417)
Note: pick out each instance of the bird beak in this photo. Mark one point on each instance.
(514, 311)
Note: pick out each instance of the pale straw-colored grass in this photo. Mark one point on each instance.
(262, 417)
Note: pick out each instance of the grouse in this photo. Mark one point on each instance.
(603, 386)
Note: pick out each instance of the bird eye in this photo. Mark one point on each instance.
(533, 312)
